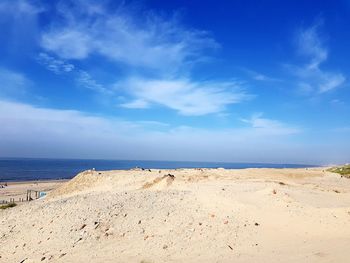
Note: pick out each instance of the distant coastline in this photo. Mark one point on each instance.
(33, 169)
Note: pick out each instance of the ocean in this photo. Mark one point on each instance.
(25, 169)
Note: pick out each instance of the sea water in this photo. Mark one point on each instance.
(24, 169)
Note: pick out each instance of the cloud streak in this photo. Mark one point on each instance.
(312, 78)
(184, 96)
(259, 76)
(153, 43)
(85, 80)
(57, 66)
(269, 126)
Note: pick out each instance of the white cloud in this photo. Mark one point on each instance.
(136, 104)
(310, 45)
(270, 126)
(151, 42)
(331, 81)
(57, 66)
(85, 80)
(68, 43)
(33, 131)
(311, 77)
(185, 96)
(82, 77)
(159, 52)
(259, 76)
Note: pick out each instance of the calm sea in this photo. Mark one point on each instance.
(44, 169)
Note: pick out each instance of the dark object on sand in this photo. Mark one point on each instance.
(8, 205)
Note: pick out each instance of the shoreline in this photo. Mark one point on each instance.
(162, 169)
(34, 181)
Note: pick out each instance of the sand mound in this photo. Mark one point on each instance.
(160, 182)
(83, 181)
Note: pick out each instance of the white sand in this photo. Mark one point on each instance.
(209, 215)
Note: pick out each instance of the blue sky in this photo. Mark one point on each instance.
(236, 81)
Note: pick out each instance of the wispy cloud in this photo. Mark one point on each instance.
(312, 78)
(154, 42)
(19, 8)
(310, 45)
(82, 77)
(159, 52)
(259, 76)
(85, 80)
(257, 121)
(185, 96)
(57, 66)
(136, 104)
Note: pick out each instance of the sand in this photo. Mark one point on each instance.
(197, 215)
(18, 190)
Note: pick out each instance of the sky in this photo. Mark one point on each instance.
(228, 81)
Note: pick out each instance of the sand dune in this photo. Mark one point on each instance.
(184, 215)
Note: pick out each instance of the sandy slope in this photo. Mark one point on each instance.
(209, 215)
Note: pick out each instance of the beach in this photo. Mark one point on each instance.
(18, 190)
(181, 215)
